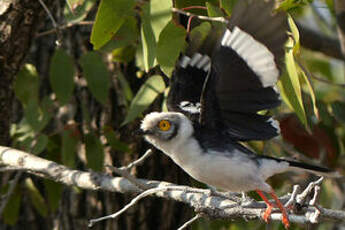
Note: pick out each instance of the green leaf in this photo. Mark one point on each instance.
(36, 197)
(11, 211)
(61, 75)
(125, 36)
(144, 97)
(41, 144)
(110, 16)
(26, 85)
(160, 15)
(97, 76)
(77, 10)
(69, 148)
(54, 193)
(228, 5)
(124, 54)
(198, 35)
(213, 10)
(338, 109)
(147, 38)
(37, 117)
(126, 88)
(114, 142)
(94, 152)
(295, 35)
(170, 44)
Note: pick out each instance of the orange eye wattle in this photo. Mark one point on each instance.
(164, 125)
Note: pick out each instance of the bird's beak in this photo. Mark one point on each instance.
(143, 132)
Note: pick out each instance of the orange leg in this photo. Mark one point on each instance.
(285, 218)
(268, 211)
(267, 214)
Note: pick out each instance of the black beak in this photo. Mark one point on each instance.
(142, 132)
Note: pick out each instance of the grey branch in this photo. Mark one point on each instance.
(200, 199)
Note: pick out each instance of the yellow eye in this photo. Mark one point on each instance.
(164, 125)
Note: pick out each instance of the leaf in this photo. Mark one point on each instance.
(36, 197)
(295, 35)
(160, 15)
(338, 109)
(197, 36)
(69, 148)
(147, 38)
(36, 117)
(110, 16)
(94, 152)
(26, 85)
(144, 97)
(124, 54)
(113, 141)
(228, 5)
(213, 10)
(126, 88)
(170, 44)
(61, 75)
(41, 144)
(54, 193)
(97, 76)
(11, 211)
(125, 36)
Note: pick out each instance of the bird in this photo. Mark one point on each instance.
(215, 101)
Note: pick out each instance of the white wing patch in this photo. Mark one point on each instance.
(190, 107)
(199, 61)
(254, 53)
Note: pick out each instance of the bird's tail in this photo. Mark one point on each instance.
(318, 170)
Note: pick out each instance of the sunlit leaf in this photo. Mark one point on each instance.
(147, 38)
(110, 16)
(295, 35)
(61, 75)
(213, 10)
(97, 76)
(144, 97)
(94, 152)
(160, 15)
(36, 198)
(27, 84)
(170, 44)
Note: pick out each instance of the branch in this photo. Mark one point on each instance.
(200, 199)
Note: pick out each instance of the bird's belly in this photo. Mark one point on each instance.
(230, 174)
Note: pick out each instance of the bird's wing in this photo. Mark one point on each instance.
(244, 71)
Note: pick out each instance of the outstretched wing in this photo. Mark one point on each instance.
(245, 69)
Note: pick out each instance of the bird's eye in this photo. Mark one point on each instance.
(164, 125)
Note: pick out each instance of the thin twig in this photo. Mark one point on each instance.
(301, 198)
(62, 27)
(140, 161)
(189, 222)
(58, 34)
(132, 203)
(214, 19)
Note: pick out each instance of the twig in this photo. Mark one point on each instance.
(58, 34)
(189, 222)
(214, 19)
(128, 176)
(292, 200)
(140, 161)
(62, 27)
(132, 203)
(301, 198)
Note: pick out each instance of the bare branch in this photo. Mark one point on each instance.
(63, 27)
(140, 161)
(200, 199)
(214, 19)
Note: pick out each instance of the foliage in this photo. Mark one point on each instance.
(145, 34)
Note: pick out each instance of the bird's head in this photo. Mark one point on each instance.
(167, 129)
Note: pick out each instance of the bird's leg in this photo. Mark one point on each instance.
(268, 211)
(285, 218)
